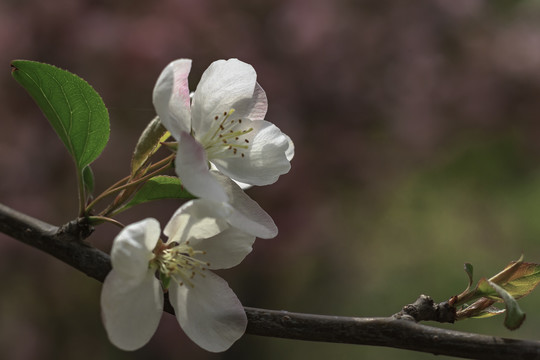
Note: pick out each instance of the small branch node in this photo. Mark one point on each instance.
(75, 230)
(425, 309)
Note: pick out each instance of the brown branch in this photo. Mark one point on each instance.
(387, 332)
(65, 243)
(399, 331)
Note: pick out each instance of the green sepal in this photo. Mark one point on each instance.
(165, 281)
(149, 142)
(158, 188)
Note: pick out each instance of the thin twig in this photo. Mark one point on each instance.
(67, 244)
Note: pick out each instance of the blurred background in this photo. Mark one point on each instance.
(416, 127)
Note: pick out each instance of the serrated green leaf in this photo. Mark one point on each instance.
(517, 278)
(74, 109)
(158, 188)
(523, 279)
(149, 142)
(508, 272)
(514, 316)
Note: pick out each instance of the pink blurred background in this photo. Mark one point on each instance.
(416, 131)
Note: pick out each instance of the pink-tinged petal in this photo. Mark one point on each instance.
(197, 219)
(225, 85)
(224, 250)
(132, 248)
(264, 161)
(131, 314)
(209, 312)
(171, 97)
(247, 216)
(192, 169)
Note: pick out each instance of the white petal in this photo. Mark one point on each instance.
(259, 104)
(171, 97)
(265, 159)
(290, 150)
(209, 312)
(224, 250)
(192, 169)
(247, 216)
(131, 314)
(242, 185)
(132, 248)
(197, 219)
(225, 85)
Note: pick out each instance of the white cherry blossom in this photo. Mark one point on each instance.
(222, 124)
(200, 239)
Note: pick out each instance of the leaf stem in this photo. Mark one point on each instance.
(82, 192)
(116, 204)
(95, 220)
(161, 165)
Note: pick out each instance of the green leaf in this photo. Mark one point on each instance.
(514, 316)
(149, 142)
(74, 109)
(88, 179)
(508, 272)
(488, 312)
(518, 278)
(469, 271)
(484, 289)
(158, 188)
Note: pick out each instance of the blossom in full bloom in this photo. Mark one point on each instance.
(222, 124)
(199, 239)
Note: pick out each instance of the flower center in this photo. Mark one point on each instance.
(178, 262)
(226, 137)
